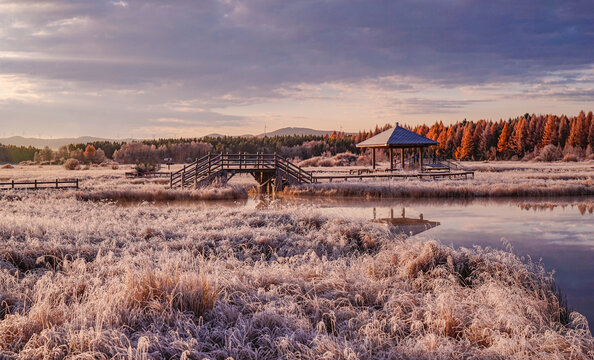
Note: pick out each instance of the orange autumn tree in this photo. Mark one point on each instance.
(466, 148)
(90, 153)
(503, 143)
(550, 132)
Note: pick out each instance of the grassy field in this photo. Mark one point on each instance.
(81, 278)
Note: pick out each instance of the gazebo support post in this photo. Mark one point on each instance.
(373, 159)
(402, 158)
(391, 159)
(420, 159)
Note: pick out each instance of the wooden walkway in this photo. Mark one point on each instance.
(271, 171)
(274, 172)
(40, 184)
(421, 175)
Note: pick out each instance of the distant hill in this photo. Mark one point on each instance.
(51, 143)
(56, 143)
(288, 131)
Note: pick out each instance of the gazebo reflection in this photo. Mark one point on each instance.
(403, 225)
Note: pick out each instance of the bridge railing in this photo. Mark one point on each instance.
(213, 163)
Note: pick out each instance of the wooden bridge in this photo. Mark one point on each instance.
(274, 172)
(271, 171)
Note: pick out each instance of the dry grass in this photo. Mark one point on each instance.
(163, 195)
(94, 280)
(516, 183)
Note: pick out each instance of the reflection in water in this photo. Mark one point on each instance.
(583, 207)
(404, 225)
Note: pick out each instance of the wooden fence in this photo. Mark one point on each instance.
(40, 184)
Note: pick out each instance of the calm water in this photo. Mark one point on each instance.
(560, 232)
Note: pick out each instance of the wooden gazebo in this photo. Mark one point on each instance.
(397, 138)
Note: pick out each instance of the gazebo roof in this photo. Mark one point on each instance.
(397, 137)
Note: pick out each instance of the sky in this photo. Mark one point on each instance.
(151, 68)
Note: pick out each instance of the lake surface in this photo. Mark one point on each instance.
(558, 231)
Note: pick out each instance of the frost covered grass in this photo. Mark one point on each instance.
(162, 195)
(529, 182)
(94, 280)
(105, 183)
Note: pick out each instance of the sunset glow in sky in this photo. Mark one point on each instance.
(188, 68)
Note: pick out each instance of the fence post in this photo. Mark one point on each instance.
(35, 183)
(56, 183)
(13, 183)
(171, 180)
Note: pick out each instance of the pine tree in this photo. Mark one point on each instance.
(449, 144)
(575, 133)
(550, 132)
(476, 138)
(503, 143)
(563, 131)
(466, 149)
(442, 140)
(519, 137)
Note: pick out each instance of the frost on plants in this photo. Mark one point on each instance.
(95, 280)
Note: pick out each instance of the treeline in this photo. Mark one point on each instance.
(16, 154)
(524, 137)
(546, 137)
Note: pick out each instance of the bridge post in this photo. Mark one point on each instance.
(209, 160)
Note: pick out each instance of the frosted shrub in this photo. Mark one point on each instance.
(133, 153)
(71, 164)
(548, 153)
(343, 159)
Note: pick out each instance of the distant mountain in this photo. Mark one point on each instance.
(51, 143)
(56, 143)
(288, 131)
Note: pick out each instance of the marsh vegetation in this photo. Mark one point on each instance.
(94, 279)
